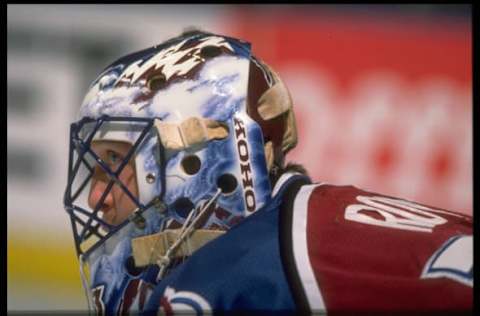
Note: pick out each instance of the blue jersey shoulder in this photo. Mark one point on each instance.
(241, 270)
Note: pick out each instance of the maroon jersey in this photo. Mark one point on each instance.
(360, 251)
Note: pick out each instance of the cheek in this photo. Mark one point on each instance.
(127, 177)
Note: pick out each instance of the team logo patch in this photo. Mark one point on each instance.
(183, 302)
(453, 260)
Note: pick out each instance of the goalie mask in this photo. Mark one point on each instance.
(201, 125)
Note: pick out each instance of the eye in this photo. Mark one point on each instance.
(113, 158)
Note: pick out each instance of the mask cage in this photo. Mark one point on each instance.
(89, 229)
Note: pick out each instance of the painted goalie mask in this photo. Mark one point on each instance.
(206, 124)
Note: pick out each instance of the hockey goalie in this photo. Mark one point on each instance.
(181, 200)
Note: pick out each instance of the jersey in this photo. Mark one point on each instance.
(328, 249)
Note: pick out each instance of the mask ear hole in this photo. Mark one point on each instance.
(191, 164)
(227, 183)
(210, 51)
(183, 206)
(157, 82)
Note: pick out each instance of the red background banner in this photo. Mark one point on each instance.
(383, 101)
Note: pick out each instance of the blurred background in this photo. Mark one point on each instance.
(382, 94)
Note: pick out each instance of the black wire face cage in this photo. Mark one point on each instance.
(89, 229)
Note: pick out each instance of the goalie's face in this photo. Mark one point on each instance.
(117, 205)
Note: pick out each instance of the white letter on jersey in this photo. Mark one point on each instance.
(453, 260)
(399, 214)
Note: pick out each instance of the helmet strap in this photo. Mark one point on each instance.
(188, 227)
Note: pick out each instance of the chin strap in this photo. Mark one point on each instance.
(161, 248)
(149, 249)
(88, 293)
(187, 228)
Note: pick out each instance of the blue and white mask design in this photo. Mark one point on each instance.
(184, 106)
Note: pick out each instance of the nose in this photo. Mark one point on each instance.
(97, 189)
